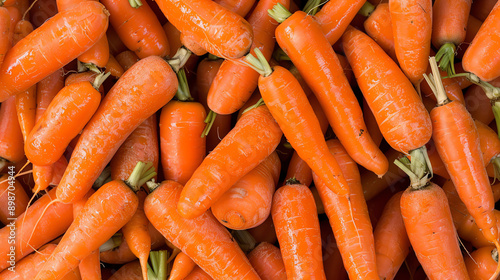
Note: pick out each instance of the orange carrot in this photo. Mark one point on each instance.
(129, 271)
(199, 237)
(4, 31)
(11, 137)
(481, 263)
(13, 198)
(114, 67)
(183, 265)
(298, 169)
(28, 267)
(265, 232)
(26, 110)
(267, 261)
(332, 260)
(198, 274)
(126, 59)
(379, 26)
(241, 7)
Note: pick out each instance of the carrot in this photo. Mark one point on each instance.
(379, 27)
(183, 265)
(15, 17)
(482, 262)
(437, 164)
(298, 169)
(143, 89)
(11, 137)
(199, 237)
(477, 59)
(412, 18)
(116, 45)
(267, 261)
(234, 83)
(473, 26)
(34, 229)
(28, 267)
(289, 106)
(240, 7)
(4, 31)
(391, 241)
(319, 66)
(451, 87)
(114, 67)
(490, 145)
(13, 198)
(173, 36)
(66, 116)
(46, 90)
(297, 228)
(183, 147)
(482, 8)
(449, 25)
(21, 30)
(400, 114)
(332, 260)
(126, 59)
(255, 136)
(265, 232)
(18, 72)
(129, 271)
(349, 218)
(198, 274)
(462, 158)
(247, 203)
(230, 38)
(138, 28)
(26, 111)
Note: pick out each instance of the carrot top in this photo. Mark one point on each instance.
(158, 269)
(446, 58)
(183, 93)
(418, 168)
(367, 9)
(259, 63)
(114, 242)
(135, 3)
(279, 13)
(142, 173)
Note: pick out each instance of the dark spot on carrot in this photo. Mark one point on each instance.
(361, 132)
(224, 221)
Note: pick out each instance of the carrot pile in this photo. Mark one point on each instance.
(249, 139)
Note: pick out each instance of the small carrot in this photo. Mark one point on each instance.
(379, 27)
(298, 169)
(114, 67)
(199, 237)
(26, 110)
(247, 203)
(126, 59)
(18, 72)
(13, 198)
(183, 265)
(481, 263)
(11, 137)
(267, 261)
(142, 90)
(255, 136)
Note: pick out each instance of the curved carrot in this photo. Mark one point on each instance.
(349, 218)
(234, 83)
(35, 230)
(138, 28)
(26, 110)
(11, 137)
(4, 31)
(28, 267)
(391, 241)
(13, 199)
(66, 116)
(402, 118)
(114, 67)
(105, 212)
(126, 59)
(228, 38)
(183, 265)
(319, 66)
(379, 27)
(198, 238)
(412, 18)
(255, 136)
(481, 263)
(18, 72)
(247, 203)
(142, 90)
(478, 59)
(267, 261)
(297, 228)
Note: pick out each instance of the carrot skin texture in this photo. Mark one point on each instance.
(182, 147)
(297, 228)
(241, 7)
(480, 58)
(358, 249)
(129, 271)
(481, 263)
(379, 27)
(412, 17)
(138, 94)
(138, 28)
(183, 265)
(77, 30)
(234, 83)
(113, 67)
(46, 90)
(267, 262)
(7, 191)
(449, 21)
(11, 137)
(199, 237)
(394, 102)
(489, 142)
(295, 116)
(247, 203)
(198, 274)
(255, 136)
(463, 160)
(105, 212)
(54, 222)
(28, 267)
(4, 31)
(298, 169)
(66, 116)
(217, 30)
(426, 214)
(26, 110)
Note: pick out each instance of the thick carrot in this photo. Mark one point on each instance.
(379, 26)
(478, 58)
(402, 118)
(28, 267)
(138, 28)
(11, 137)
(78, 29)
(105, 212)
(66, 116)
(247, 203)
(267, 261)
(13, 198)
(481, 263)
(198, 238)
(319, 66)
(255, 136)
(349, 218)
(34, 230)
(412, 27)
(46, 90)
(4, 31)
(138, 94)
(234, 83)
(216, 29)
(297, 228)
(183, 265)
(391, 241)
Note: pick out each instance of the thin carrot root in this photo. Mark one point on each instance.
(497, 272)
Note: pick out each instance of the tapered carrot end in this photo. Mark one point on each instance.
(144, 265)
(187, 210)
